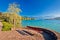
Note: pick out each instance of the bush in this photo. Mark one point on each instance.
(6, 26)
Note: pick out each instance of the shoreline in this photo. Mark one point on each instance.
(14, 35)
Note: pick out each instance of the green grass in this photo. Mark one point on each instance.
(6, 26)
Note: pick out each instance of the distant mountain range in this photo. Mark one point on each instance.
(56, 18)
(51, 18)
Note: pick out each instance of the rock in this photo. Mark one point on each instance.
(1, 25)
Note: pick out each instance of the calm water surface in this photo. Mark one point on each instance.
(48, 24)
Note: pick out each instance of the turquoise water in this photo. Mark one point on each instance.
(48, 24)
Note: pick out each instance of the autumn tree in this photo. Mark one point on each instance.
(14, 16)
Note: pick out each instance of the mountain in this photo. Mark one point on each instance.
(56, 18)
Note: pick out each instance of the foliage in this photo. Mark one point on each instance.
(14, 8)
(13, 11)
(6, 26)
(12, 17)
(27, 18)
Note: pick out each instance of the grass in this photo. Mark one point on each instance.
(6, 26)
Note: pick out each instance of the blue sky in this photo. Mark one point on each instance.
(35, 8)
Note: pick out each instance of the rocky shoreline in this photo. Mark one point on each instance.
(14, 35)
(57, 34)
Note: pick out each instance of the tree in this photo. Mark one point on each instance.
(0, 15)
(14, 11)
(14, 8)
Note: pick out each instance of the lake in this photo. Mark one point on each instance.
(48, 24)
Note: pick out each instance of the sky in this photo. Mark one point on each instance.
(34, 8)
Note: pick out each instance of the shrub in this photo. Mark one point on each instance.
(6, 26)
